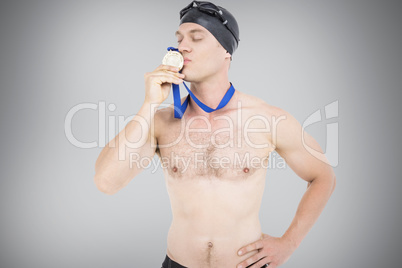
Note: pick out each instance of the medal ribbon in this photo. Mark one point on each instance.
(179, 108)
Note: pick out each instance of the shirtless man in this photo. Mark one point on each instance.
(215, 163)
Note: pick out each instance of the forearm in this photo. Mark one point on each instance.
(113, 168)
(310, 207)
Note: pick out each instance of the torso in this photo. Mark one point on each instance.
(215, 179)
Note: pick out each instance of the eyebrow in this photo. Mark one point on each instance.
(192, 31)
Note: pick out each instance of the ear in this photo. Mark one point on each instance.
(227, 55)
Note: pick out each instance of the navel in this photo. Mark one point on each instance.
(210, 245)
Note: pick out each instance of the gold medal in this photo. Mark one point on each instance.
(173, 58)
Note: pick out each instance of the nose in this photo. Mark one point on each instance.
(184, 46)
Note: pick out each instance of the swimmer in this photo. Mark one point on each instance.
(215, 161)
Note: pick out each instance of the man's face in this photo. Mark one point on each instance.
(204, 57)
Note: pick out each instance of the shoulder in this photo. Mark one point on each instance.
(164, 119)
(163, 116)
(256, 105)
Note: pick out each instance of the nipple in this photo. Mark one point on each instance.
(174, 169)
(246, 170)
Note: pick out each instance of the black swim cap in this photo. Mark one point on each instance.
(217, 20)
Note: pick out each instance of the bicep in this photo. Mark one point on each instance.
(294, 145)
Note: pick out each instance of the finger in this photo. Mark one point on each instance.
(168, 68)
(263, 263)
(251, 262)
(163, 72)
(161, 79)
(253, 246)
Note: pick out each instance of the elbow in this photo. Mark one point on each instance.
(104, 186)
(333, 184)
(327, 181)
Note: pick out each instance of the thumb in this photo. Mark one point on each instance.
(265, 236)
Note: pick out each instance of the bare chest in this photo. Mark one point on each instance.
(221, 149)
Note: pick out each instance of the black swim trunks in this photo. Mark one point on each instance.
(168, 263)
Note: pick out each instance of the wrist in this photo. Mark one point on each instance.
(291, 240)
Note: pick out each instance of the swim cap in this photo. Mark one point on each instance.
(217, 20)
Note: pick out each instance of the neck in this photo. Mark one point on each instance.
(208, 92)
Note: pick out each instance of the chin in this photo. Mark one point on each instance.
(191, 76)
(188, 77)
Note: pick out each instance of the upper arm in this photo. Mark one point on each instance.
(293, 145)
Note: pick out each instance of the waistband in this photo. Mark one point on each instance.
(169, 263)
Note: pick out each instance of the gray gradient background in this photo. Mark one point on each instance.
(298, 55)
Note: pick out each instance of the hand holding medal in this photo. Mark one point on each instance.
(159, 81)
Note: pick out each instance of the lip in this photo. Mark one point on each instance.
(186, 60)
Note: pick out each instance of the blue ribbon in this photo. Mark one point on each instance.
(180, 108)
